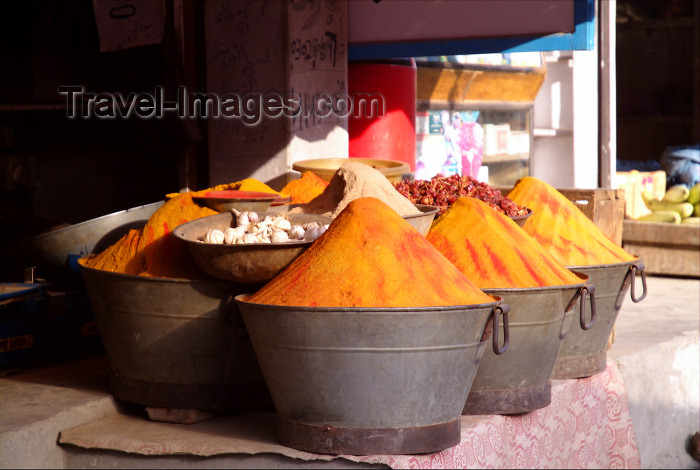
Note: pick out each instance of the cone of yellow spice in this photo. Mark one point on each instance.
(306, 188)
(492, 250)
(153, 250)
(561, 227)
(370, 257)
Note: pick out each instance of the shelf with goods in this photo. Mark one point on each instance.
(476, 112)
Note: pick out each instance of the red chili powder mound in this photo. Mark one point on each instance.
(561, 227)
(370, 257)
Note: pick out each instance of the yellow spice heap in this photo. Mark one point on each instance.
(154, 250)
(561, 227)
(370, 257)
(492, 250)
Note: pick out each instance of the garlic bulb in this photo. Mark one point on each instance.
(245, 218)
(279, 236)
(230, 235)
(282, 224)
(296, 232)
(250, 238)
(315, 231)
(214, 236)
(253, 217)
(251, 227)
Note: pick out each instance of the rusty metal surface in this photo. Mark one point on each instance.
(328, 439)
(612, 282)
(508, 401)
(576, 367)
(252, 262)
(172, 342)
(364, 368)
(540, 319)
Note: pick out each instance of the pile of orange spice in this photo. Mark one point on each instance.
(370, 257)
(153, 250)
(306, 188)
(562, 228)
(494, 251)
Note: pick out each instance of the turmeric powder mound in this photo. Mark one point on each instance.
(115, 257)
(492, 250)
(164, 254)
(370, 257)
(561, 227)
(248, 184)
(306, 188)
(153, 250)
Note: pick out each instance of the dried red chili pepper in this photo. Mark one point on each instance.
(442, 191)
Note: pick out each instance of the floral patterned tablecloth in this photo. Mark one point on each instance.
(587, 425)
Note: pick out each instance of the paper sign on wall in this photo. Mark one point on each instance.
(125, 24)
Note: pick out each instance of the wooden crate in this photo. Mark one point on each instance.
(605, 207)
(666, 249)
(634, 182)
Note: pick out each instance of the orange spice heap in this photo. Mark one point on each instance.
(306, 188)
(153, 250)
(561, 227)
(370, 257)
(492, 250)
(247, 184)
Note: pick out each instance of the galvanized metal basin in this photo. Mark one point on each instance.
(175, 343)
(54, 250)
(584, 352)
(519, 380)
(369, 380)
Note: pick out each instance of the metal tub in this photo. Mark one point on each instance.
(519, 381)
(584, 353)
(369, 380)
(55, 250)
(171, 344)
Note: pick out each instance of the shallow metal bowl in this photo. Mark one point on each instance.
(222, 201)
(251, 262)
(423, 221)
(521, 219)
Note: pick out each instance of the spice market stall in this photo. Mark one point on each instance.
(356, 351)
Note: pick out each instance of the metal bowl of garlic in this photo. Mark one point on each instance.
(248, 246)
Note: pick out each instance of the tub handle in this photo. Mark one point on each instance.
(499, 310)
(590, 289)
(638, 266)
(232, 314)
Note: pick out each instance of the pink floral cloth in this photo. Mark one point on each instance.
(587, 425)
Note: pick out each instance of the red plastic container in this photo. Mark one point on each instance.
(389, 133)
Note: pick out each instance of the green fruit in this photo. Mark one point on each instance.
(676, 193)
(694, 194)
(662, 216)
(683, 208)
